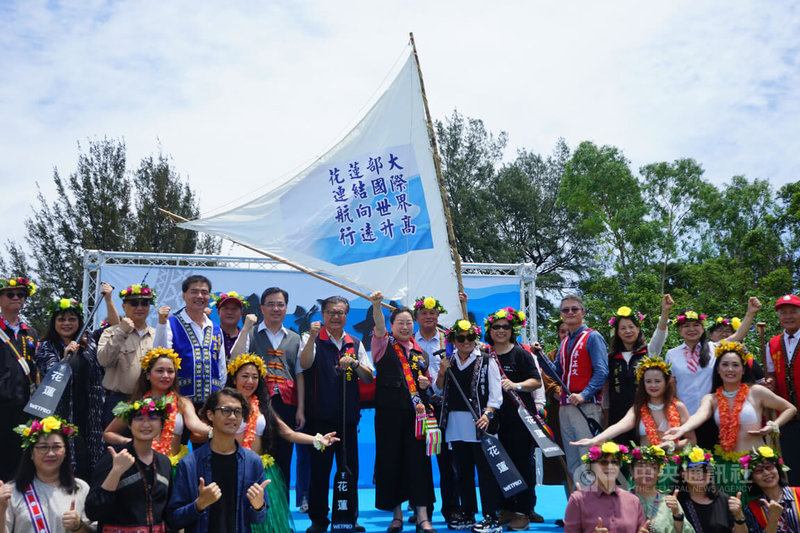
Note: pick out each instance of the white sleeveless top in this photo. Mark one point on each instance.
(662, 426)
(261, 423)
(747, 417)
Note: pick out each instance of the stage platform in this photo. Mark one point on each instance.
(550, 503)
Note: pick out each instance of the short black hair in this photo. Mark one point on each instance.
(212, 402)
(397, 310)
(196, 278)
(275, 290)
(330, 300)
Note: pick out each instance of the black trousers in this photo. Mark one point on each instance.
(790, 443)
(447, 482)
(11, 416)
(402, 468)
(516, 439)
(321, 462)
(469, 457)
(284, 448)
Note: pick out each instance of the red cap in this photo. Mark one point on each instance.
(226, 299)
(789, 299)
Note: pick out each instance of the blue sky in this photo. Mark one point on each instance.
(244, 94)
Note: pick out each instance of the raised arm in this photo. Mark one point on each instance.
(240, 345)
(753, 306)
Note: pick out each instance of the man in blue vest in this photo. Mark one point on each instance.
(328, 356)
(196, 339)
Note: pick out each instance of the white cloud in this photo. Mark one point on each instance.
(243, 93)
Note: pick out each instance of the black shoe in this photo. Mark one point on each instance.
(489, 525)
(461, 521)
(413, 518)
(317, 527)
(359, 528)
(396, 526)
(429, 529)
(560, 522)
(535, 517)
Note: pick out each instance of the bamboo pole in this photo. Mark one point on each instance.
(772, 439)
(451, 237)
(280, 259)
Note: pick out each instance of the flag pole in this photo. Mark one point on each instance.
(280, 259)
(451, 237)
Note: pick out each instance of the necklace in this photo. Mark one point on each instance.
(163, 444)
(250, 429)
(729, 416)
(673, 416)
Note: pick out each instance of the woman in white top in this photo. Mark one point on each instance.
(44, 489)
(690, 362)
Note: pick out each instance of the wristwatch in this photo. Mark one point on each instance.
(354, 365)
(739, 521)
(678, 517)
(519, 387)
(489, 414)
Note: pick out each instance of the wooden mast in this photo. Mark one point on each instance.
(451, 237)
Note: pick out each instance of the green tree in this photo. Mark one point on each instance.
(158, 184)
(600, 189)
(469, 155)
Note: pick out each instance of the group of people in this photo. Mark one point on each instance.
(705, 423)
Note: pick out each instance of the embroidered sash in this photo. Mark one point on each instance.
(38, 520)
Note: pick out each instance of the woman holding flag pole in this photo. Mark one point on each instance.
(518, 375)
(406, 433)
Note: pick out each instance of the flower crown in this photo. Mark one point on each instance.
(218, 297)
(619, 451)
(736, 347)
(626, 312)
(760, 455)
(516, 318)
(127, 410)
(22, 283)
(693, 456)
(462, 326)
(34, 429)
(689, 316)
(649, 454)
(734, 322)
(429, 302)
(150, 357)
(247, 359)
(65, 303)
(139, 290)
(649, 363)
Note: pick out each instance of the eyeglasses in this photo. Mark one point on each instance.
(501, 326)
(275, 305)
(606, 462)
(15, 294)
(568, 310)
(465, 338)
(228, 411)
(764, 466)
(137, 303)
(149, 416)
(44, 449)
(335, 313)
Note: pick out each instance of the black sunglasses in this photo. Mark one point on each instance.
(16, 294)
(465, 338)
(137, 303)
(501, 326)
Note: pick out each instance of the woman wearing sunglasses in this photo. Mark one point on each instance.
(774, 505)
(518, 377)
(479, 378)
(44, 491)
(132, 483)
(602, 506)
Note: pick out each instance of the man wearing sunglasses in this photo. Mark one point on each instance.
(17, 369)
(582, 363)
(122, 346)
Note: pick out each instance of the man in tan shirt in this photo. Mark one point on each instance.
(121, 347)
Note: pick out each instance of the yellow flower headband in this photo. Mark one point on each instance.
(247, 359)
(736, 347)
(649, 363)
(150, 357)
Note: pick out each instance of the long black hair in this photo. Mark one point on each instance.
(26, 470)
(51, 334)
(747, 377)
(269, 440)
(617, 346)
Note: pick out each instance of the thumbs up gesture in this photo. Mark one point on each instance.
(5, 496)
(121, 461)
(207, 495)
(255, 493)
(70, 519)
(645, 527)
(599, 527)
(735, 506)
(672, 503)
